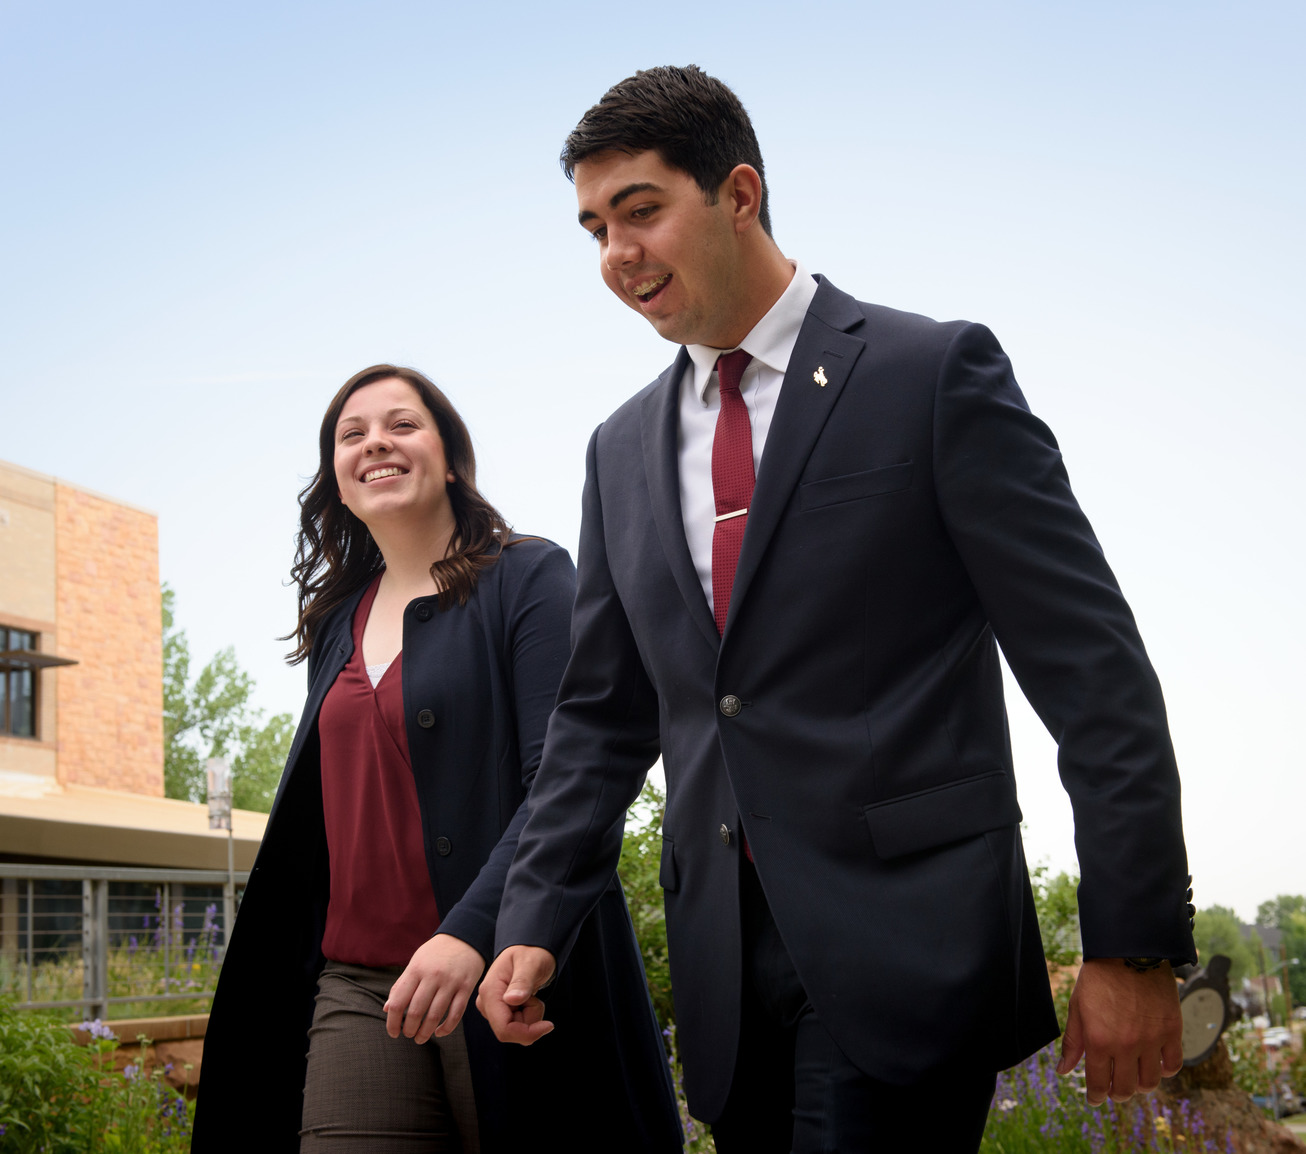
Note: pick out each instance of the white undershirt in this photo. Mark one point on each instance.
(771, 343)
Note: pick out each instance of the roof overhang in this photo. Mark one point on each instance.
(86, 825)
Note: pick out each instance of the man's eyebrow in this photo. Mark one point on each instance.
(622, 194)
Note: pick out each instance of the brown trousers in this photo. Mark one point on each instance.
(368, 1092)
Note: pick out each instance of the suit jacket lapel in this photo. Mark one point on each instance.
(824, 349)
(659, 428)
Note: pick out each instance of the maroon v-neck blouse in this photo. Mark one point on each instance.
(382, 906)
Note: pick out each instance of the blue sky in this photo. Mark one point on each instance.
(213, 214)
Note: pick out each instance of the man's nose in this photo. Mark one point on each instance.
(622, 249)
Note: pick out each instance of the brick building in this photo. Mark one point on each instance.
(81, 692)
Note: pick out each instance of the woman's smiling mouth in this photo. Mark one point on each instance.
(385, 471)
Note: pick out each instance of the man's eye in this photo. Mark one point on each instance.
(644, 211)
(599, 234)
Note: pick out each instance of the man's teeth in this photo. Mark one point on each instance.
(648, 286)
(375, 473)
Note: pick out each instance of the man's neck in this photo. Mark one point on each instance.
(764, 279)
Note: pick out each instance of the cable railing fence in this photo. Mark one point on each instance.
(94, 937)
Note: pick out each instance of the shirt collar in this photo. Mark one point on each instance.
(771, 340)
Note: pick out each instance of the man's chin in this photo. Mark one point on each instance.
(672, 328)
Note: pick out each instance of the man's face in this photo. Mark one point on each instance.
(664, 251)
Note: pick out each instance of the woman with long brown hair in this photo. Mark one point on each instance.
(435, 641)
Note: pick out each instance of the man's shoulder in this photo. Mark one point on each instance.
(867, 320)
(626, 418)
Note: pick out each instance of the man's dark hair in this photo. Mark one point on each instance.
(690, 119)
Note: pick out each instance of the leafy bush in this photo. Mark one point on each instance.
(1251, 1067)
(58, 1096)
(1056, 899)
(641, 855)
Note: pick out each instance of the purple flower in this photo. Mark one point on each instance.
(97, 1029)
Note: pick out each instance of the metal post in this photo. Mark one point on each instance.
(166, 926)
(1287, 984)
(1265, 982)
(31, 890)
(218, 773)
(95, 946)
(9, 922)
(229, 893)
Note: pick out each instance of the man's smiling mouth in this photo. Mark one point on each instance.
(387, 471)
(646, 291)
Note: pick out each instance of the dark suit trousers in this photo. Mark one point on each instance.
(794, 1090)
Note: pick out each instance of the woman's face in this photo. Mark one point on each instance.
(389, 458)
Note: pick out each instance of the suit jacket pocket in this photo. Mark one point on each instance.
(667, 877)
(944, 814)
(851, 486)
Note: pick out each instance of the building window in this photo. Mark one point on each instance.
(18, 709)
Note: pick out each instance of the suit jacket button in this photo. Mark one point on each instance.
(423, 612)
(443, 846)
(426, 719)
(731, 705)
(725, 834)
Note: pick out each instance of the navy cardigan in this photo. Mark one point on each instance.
(479, 683)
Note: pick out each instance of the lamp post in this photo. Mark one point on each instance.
(218, 771)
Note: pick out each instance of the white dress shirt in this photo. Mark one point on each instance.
(771, 344)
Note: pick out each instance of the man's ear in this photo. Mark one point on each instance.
(742, 191)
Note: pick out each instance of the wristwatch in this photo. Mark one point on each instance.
(1143, 965)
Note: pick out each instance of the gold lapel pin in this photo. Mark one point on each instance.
(819, 376)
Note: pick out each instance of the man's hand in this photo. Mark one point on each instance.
(507, 998)
(431, 994)
(1126, 1026)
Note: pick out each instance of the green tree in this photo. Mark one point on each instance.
(1276, 912)
(1287, 914)
(1218, 930)
(212, 717)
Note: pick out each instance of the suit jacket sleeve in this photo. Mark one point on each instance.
(602, 739)
(534, 653)
(1072, 643)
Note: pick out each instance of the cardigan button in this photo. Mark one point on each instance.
(423, 612)
(443, 846)
(426, 719)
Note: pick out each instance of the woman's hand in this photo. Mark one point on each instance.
(431, 994)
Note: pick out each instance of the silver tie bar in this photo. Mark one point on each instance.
(727, 516)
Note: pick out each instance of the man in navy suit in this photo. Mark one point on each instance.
(801, 548)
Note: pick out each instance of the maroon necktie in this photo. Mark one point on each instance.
(732, 480)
